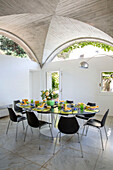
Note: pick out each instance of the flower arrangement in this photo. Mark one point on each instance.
(49, 94)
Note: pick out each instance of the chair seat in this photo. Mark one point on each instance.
(20, 118)
(82, 117)
(41, 123)
(15, 118)
(69, 101)
(23, 112)
(94, 122)
(68, 125)
(98, 124)
(34, 122)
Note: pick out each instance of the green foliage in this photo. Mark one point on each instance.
(49, 94)
(9, 47)
(55, 81)
(107, 75)
(43, 94)
(68, 50)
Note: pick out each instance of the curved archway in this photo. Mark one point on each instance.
(22, 44)
(70, 42)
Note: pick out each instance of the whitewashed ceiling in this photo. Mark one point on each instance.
(44, 25)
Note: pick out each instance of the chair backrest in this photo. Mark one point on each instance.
(91, 104)
(68, 125)
(16, 108)
(12, 115)
(69, 101)
(93, 114)
(32, 119)
(104, 118)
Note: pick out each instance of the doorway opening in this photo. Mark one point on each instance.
(54, 81)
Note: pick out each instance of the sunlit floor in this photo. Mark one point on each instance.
(26, 155)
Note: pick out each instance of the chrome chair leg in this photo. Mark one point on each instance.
(101, 139)
(56, 120)
(55, 143)
(23, 125)
(87, 130)
(60, 137)
(39, 139)
(51, 131)
(41, 116)
(16, 131)
(25, 133)
(49, 118)
(80, 145)
(82, 132)
(60, 141)
(106, 132)
(31, 130)
(8, 127)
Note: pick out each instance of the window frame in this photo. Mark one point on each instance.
(104, 92)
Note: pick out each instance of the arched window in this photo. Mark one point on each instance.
(86, 49)
(9, 47)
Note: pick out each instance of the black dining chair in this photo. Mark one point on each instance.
(86, 117)
(98, 124)
(91, 104)
(18, 109)
(15, 118)
(34, 122)
(68, 125)
(69, 101)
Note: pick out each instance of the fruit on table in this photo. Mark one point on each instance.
(36, 102)
(92, 107)
(61, 101)
(42, 105)
(25, 101)
(66, 108)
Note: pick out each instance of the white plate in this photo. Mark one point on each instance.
(40, 108)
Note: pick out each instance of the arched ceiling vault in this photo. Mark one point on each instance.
(21, 43)
(46, 25)
(56, 51)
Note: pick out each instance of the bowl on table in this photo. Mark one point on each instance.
(74, 109)
(67, 110)
(92, 107)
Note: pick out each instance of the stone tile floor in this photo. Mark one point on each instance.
(26, 155)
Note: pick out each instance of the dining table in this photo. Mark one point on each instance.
(55, 112)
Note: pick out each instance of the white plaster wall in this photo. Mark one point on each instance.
(35, 86)
(105, 100)
(14, 78)
(82, 85)
(77, 84)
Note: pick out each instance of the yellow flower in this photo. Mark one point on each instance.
(53, 92)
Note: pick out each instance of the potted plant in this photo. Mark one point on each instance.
(50, 95)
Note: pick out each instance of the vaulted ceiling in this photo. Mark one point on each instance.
(45, 26)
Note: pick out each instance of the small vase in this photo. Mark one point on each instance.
(50, 102)
(82, 107)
